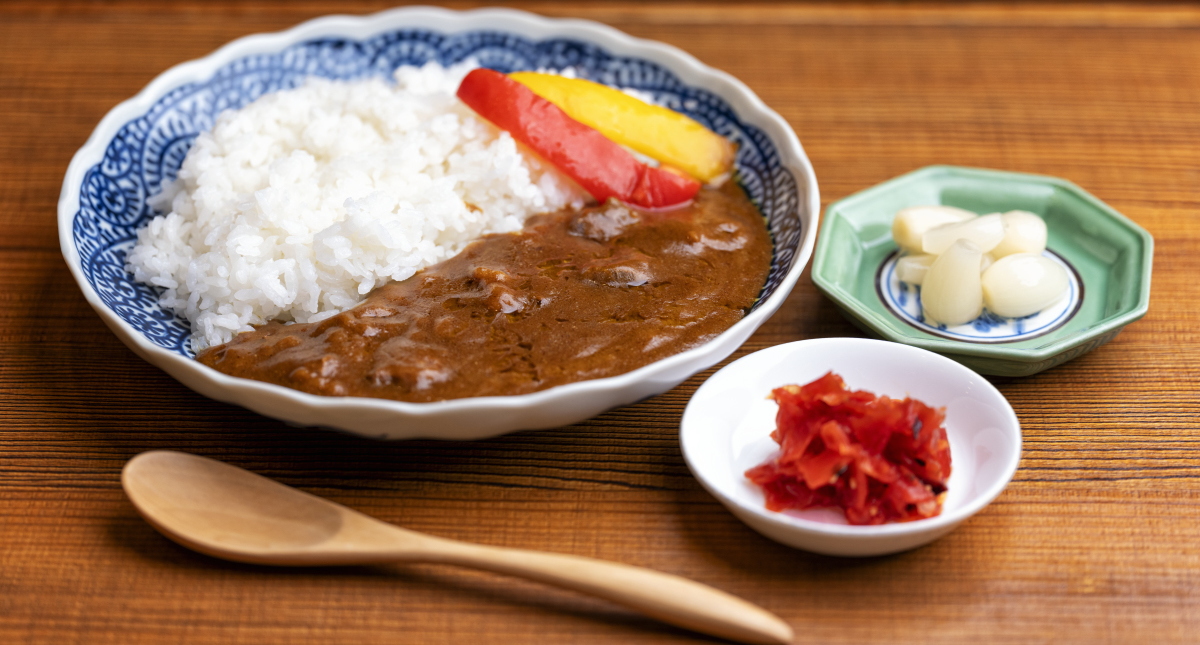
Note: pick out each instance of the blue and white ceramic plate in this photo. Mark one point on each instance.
(141, 143)
(904, 301)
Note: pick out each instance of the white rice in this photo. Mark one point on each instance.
(297, 205)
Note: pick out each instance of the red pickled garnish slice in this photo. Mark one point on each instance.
(599, 165)
(877, 458)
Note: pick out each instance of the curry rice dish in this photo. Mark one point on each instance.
(575, 295)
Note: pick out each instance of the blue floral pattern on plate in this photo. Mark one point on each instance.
(904, 300)
(149, 150)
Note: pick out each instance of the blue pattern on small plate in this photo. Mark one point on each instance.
(149, 150)
(904, 301)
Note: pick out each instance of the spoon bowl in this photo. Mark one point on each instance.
(226, 512)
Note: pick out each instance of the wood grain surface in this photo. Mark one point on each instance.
(1097, 540)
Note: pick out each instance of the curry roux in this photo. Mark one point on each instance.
(572, 296)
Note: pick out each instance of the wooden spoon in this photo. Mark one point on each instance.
(226, 512)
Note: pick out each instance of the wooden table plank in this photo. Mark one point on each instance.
(1094, 542)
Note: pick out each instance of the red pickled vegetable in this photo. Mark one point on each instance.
(879, 459)
(600, 166)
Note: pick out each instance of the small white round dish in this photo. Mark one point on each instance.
(727, 425)
(142, 142)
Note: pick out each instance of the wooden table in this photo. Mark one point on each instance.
(1097, 540)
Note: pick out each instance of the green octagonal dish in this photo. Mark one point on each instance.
(1107, 255)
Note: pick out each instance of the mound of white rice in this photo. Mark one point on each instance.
(297, 205)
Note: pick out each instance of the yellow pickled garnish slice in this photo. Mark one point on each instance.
(655, 131)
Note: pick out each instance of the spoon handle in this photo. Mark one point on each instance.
(667, 597)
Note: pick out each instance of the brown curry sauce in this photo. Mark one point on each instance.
(572, 296)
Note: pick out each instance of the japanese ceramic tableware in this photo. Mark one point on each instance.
(1107, 256)
(142, 142)
(727, 425)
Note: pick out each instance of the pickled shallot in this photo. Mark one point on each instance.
(1022, 284)
(965, 263)
(952, 292)
(1024, 232)
(913, 268)
(877, 458)
(985, 231)
(910, 224)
